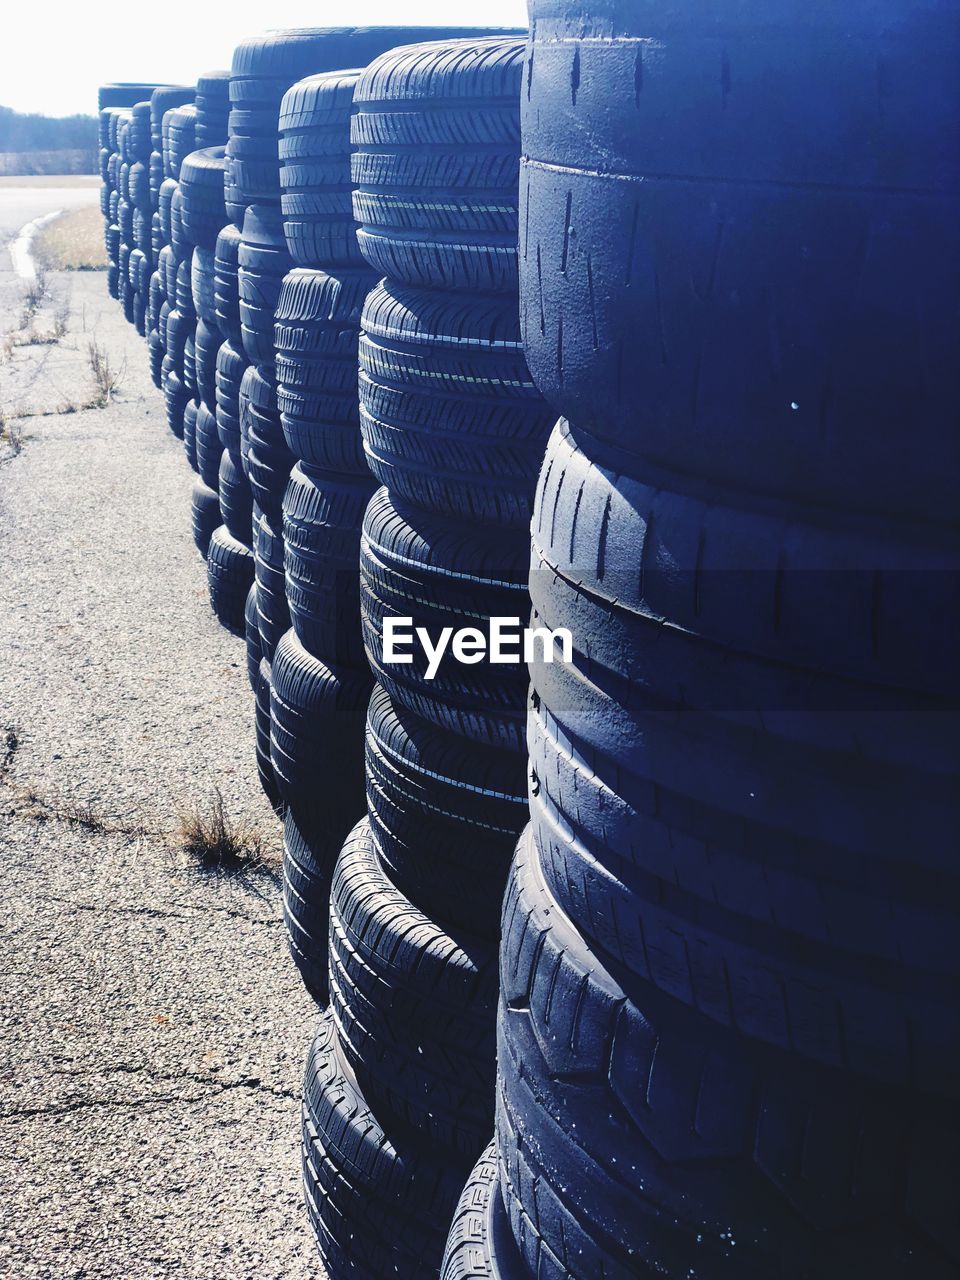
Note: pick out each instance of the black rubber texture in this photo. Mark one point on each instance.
(229, 577)
(451, 418)
(204, 515)
(316, 738)
(316, 336)
(441, 574)
(436, 138)
(203, 285)
(268, 781)
(759, 837)
(162, 100)
(206, 348)
(262, 261)
(179, 137)
(231, 365)
(213, 108)
(315, 182)
(251, 635)
(272, 611)
(307, 874)
(733, 291)
(265, 67)
(226, 288)
(236, 499)
(637, 1141)
(480, 1246)
(201, 189)
(209, 449)
(267, 460)
(124, 93)
(175, 396)
(190, 433)
(155, 354)
(444, 813)
(414, 1006)
(378, 1197)
(322, 517)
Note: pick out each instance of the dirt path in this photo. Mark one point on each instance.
(153, 1028)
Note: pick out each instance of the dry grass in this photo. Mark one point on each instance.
(73, 242)
(106, 377)
(217, 842)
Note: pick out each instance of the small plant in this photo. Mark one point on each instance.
(11, 434)
(61, 320)
(34, 295)
(107, 379)
(215, 842)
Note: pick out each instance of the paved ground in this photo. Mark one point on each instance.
(152, 1028)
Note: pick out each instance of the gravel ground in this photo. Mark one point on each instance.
(153, 1027)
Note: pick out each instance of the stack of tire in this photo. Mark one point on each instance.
(179, 322)
(399, 1090)
(162, 100)
(115, 104)
(728, 1039)
(263, 69)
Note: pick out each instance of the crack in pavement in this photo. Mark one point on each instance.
(212, 1088)
(159, 913)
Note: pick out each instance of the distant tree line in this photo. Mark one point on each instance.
(46, 133)
(31, 143)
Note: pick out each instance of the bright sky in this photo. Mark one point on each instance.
(54, 53)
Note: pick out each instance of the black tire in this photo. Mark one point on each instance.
(251, 635)
(414, 1006)
(231, 366)
(316, 738)
(205, 515)
(755, 835)
(229, 578)
(178, 137)
(268, 781)
(262, 262)
(442, 575)
(206, 344)
(236, 499)
(480, 1246)
(201, 188)
(322, 518)
(226, 288)
(203, 286)
(748, 314)
(265, 67)
(452, 421)
(175, 396)
(213, 108)
(636, 1140)
(379, 1198)
(209, 449)
(316, 336)
(190, 433)
(315, 177)
(307, 874)
(155, 354)
(272, 611)
(162, 100)
(444, 813)
(124, 93)
(267, 460)
(436, 137)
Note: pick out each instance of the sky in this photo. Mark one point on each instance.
(53, 54)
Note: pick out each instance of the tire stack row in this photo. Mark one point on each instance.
(728, 1034)
(399, 1089)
